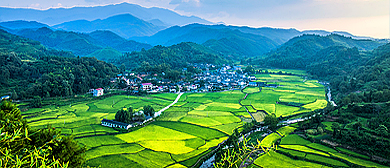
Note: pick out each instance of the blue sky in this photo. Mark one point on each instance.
(359, 17)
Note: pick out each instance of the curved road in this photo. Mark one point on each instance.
(165, 108)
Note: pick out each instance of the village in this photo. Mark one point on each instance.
(224, 78)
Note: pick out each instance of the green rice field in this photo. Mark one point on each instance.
(293, 95)
(295, 151)
(183, 133)
(186, 131)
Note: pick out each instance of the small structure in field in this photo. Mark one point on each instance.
(111, 123)
(5, 97)
(98, 92)
(147, 86)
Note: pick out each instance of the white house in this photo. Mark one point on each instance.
(4, 97)
(111, 123)
(98, 92)
(192, 87)
(147, 86)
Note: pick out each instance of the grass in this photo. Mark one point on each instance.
(285, 130)
(325, 160)
(153, 132)
(356, 161)
(170, 146)
(303, 149)
(228, 128)
(112, 150)
(194, 143)
(346, 151)
(294, 139)
(149, 158)
(195, 130)
(269, 140)
(251, 89)
(274, 159)
(167, 96)
(321, 147)
(96, 141)
(117, 161)
(185, 156)
(319, 104)
(213, 143)
(199, 120)
(328, 126)
(293, 152)
(259, 116)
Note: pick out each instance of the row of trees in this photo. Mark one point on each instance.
(129, 115)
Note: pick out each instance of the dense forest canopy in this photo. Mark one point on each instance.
(176, 57)
(301, 51)
(29, 69)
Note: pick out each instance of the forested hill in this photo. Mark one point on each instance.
(175, 56)
(25, 48)
(82, 44)
(301, 51)
(29, 69)
(363, 79)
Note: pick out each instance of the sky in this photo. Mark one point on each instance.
(359, 17)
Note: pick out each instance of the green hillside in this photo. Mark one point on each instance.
(175, 56)
(301, 51)
(105, 54)
(29, 69)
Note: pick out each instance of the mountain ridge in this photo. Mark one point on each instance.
(54, 16)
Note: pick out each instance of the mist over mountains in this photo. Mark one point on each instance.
(55, 16)
(107, 32)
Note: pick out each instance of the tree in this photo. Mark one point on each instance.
(125, 116)
(271, 121)
(336, 129)
(36, 102)
(149, 110)
(65, 148)
(382, 130)
(249, 69)
(14, 96)
(19, 148)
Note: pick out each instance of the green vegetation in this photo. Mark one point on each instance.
(325, 160)
(293, 95)
(269, 140)
(22, 146)
(274, 159)
(284, 131)
(186, 132)
(251, 89)
(294, 139)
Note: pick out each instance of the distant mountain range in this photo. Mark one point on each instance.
(54, 16)
(124, 25)
(96, 43)
(85, 37)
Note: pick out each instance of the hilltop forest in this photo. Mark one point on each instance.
(28, 69)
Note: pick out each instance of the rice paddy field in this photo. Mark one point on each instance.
(293, 95)
(178, 138)
(191, 128)
(295, 151)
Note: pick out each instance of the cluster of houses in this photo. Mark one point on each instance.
(222, 78)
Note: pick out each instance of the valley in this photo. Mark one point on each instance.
(194, 125)
(150, 85)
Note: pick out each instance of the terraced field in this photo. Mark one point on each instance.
(183, 133)
(294, 151)
(293, 95)
(179, 137)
